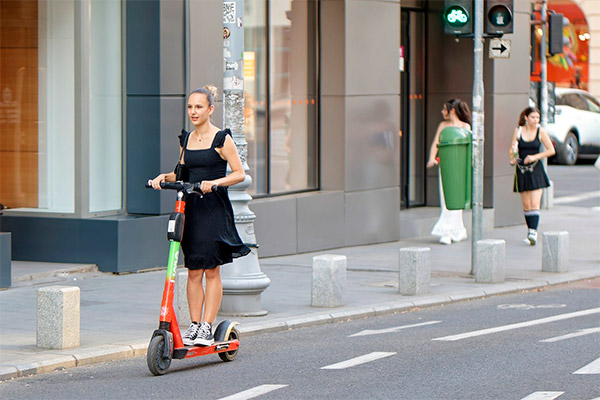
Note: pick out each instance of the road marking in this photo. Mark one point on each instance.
(528, 306)
(576, 198)
(254, 392)
(359, 360)
(542, 396)
(390, 330)
(591, 368)
(580, 332)
(503, 328)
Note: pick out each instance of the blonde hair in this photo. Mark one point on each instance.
(209, 91)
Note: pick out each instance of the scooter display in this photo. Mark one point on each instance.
(166, 342)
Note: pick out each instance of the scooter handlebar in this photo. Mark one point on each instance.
(189, 187)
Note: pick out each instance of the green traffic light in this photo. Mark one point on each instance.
(456, 16)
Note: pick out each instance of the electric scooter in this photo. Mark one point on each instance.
(166, 342)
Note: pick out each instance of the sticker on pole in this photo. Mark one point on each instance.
(499, 48)
(229, 12)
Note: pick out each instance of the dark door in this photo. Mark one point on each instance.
(412, 113)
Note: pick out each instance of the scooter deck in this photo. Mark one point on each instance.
(216, 347)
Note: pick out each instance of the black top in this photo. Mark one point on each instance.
(529, 176)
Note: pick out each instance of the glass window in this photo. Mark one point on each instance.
(255, 92)
(576, 101)
(292, 95)
(280, 74)
(105, 127)
(592, 103)
(37, 109)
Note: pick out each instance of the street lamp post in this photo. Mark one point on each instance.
(243, 281)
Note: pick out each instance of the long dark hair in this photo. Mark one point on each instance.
(462, 110)
(525, 113)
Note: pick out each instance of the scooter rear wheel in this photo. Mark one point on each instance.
(230, 355)
(156, 363)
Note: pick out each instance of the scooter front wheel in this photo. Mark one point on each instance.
(156, 363)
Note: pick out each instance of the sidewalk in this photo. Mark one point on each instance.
(120, 312)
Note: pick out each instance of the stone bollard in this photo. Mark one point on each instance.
(414, 271)
(181, 303)
(58, 317)
(555, 251)
(490, 261)
(328, 281)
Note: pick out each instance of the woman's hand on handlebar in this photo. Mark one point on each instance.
(208, 186)
(156, 181)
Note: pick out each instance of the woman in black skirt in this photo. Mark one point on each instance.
(530, 176)
(210, 238)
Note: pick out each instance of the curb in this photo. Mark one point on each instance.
(112, 352)
(51, 274)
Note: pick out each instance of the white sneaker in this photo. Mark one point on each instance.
(532, 237)
(446, 239)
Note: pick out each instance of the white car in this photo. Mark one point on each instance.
(576, 129)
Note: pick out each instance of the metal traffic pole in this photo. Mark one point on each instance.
(243, 281)
(544, 88)
(478, 126)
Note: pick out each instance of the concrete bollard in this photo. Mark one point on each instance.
(58, 317)
(328, 281)
(414, 271)
(181, 303)
(555, 251)
(491, 254)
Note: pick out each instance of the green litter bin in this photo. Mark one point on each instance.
(455, 150)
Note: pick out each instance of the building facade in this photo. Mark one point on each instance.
(342, 101)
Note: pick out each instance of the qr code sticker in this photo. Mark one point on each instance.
(229, 12)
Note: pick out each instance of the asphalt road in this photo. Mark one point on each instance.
(544, 345)
(576, 185)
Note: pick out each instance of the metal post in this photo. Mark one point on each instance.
(544, 87)
(243, 281)
(478, 126)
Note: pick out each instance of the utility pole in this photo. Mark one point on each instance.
(544, 87)
(478, 127)
(243, 281)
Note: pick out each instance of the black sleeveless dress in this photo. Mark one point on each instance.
(530, 176)
(210, 237)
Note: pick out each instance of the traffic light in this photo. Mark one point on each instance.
(498, 17)
(556, 38)
(458, 17)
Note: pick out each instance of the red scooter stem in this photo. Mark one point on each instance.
(167, 312)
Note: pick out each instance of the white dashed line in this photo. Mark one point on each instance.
(542, 396)
(503, 328)
(359, 360)
(390, 330)
(581, 332)
(591, 368)
(254, 392)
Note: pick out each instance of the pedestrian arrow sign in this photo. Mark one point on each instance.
(499, 48)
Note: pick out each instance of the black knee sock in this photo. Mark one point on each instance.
(532, 218)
